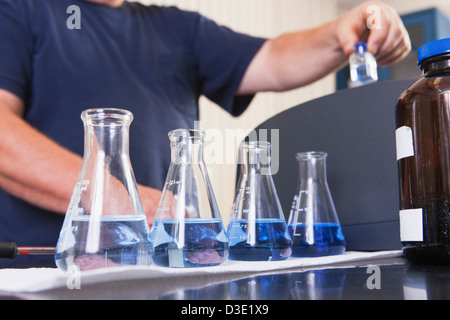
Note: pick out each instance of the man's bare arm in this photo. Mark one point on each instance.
(296, 59)
(32, 166)
(36, 169)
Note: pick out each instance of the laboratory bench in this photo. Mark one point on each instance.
(357, 130)
(392, 278)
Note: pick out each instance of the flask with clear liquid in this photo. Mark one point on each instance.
(188, 229)
(363, 66)
(313, 222)
(105, 224)
(257, 229)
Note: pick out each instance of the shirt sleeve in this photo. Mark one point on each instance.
(16, 47)
(223, 57)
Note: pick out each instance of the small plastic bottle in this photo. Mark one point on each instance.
(363, 66)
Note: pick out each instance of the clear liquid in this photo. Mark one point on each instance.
(362, 75)
(194, 243)
(327, 239)
(108, 241)
(271, 240)
(363, 68)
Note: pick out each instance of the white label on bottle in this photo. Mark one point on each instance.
(404, 141)
(411, 225)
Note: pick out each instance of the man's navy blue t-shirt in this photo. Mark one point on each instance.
(154, 61)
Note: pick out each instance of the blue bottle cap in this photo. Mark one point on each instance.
(433, 48)
(361, 47)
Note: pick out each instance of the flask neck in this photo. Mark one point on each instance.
(186, 146)
(254, 158)
(107, 132)
(312, 167)
(436, 66)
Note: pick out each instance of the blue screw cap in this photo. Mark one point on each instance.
(432, 49)
(361, 47)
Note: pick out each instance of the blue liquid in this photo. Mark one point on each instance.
(327, 240)
(271, 240)
(204, 243)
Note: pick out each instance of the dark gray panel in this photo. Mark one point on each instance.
(356, 127)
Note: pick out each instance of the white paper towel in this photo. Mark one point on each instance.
(41, 279)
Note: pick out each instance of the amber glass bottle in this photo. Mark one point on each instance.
(423, 155)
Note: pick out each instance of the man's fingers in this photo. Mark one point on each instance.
(389, 41)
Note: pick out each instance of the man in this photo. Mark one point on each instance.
(155, 62)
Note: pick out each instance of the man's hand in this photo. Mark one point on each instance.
(379, 25)
(296, 59)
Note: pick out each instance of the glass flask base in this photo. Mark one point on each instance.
(259, 253)
(194, 257)
(272, 242)
(205, 244)
(427, 254)
(123, 241)
(327, 240)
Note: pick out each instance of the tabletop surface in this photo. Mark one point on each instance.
(387, 279)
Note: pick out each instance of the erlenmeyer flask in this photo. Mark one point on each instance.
(188, 229)
(105, 224)
(313, 223)
(257, 229)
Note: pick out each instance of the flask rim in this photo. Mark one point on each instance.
(255, 145)
(311, 155)
(179, 135)
(107, 117)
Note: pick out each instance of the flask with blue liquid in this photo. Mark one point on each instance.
(313, 222)
(363, 66)
(257, 229)
(188, 230)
